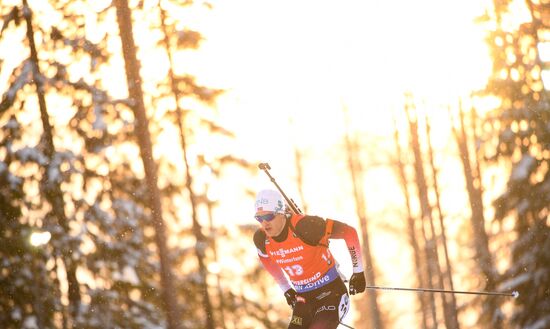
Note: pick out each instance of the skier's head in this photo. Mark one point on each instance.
(270, 211)
(269, 200)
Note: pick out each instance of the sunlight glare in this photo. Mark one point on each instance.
(38, 239)
(364, 54)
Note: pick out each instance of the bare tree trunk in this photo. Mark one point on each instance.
(430, 246)
(124, 17)
(221, 309)
(422, 280)
(491, 315)
(373, 311)
(53, 192)
(201, 241)
(449, 300)
(300, 176)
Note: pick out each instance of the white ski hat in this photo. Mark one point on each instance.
(269, 200)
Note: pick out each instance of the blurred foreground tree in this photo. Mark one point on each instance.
(105, 231)
(517, 131)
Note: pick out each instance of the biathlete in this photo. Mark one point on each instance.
(297, 245)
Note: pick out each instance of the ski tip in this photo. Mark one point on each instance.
(515, 294)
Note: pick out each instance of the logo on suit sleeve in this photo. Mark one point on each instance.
(296, 320)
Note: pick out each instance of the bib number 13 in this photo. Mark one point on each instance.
(294, 270)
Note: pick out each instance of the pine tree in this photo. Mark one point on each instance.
(27, 291)
(197, 129)
(517, 133)
(104, 201)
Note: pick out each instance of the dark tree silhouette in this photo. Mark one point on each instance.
(124, 17)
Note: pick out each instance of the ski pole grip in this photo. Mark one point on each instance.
(264, 166)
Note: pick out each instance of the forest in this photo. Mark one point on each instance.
(131, 134)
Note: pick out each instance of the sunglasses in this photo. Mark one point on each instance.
(267, 217)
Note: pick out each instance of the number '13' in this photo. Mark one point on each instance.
(294, 270)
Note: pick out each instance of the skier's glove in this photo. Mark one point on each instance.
(290, 296)
(357, 283)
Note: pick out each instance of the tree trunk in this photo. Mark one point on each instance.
(430, 246)
(201, 241)
(221, 309)
(422, 280)
(135, 92)
(52, 190)
(299, 177)
(373, 311)
(491, 315)
(449, 300)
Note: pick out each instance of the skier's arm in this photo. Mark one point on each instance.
(314, 228)
(268, 263)
(349, 234)
(357, 283)
(275, 272)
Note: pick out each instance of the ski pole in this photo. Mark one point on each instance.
(265, 167)
(345, 325)
(514, 293)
